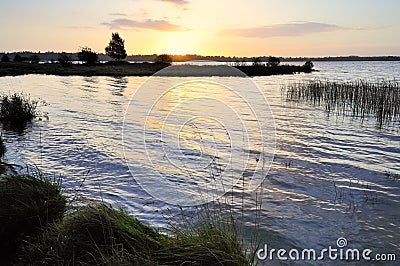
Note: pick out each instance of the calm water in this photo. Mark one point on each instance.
(328, 178)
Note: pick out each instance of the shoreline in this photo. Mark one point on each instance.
(137, 69)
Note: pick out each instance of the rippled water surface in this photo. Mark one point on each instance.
(331, 176)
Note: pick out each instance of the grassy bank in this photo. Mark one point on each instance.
(28, 203)
(36, 229)
(136, 69)
(355, 98)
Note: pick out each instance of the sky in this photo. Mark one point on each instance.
(208, 27)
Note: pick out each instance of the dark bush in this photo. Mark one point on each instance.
(64, 60)
(88, 56)
(308, 66)
(163, 58)
(5, 59)
(273, 61)
(18, 58)
(17, 108)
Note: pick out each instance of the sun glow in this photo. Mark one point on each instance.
(179, 43)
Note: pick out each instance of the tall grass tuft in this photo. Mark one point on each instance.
(356, 98)
(17, 108)
(100, 235)
(95, 235)
(28, 203)
(209, 242)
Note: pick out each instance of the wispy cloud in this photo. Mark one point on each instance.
(160, 25)
(279, 30)
(179, 3)
(118, 14)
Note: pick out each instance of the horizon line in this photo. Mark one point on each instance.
(227, 56)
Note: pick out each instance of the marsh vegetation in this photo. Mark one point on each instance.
(17, 108)
(360, 99)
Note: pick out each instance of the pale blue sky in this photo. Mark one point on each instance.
(242, 28)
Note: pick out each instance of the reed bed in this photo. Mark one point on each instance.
(360, 99)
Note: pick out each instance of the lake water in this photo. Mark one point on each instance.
(330, 177)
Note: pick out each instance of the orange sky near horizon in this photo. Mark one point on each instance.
(230, 28)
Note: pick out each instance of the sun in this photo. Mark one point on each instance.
(179, 43)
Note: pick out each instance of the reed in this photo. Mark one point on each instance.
(360, 99)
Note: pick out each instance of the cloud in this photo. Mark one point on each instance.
(179, 3)
(281, 30)
(160, 25)
(118, 14)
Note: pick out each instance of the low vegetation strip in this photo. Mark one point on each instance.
(274, 70)
(362, 98)
(123, 68)
(134, 69)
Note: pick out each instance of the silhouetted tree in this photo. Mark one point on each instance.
(18, 58)
(5, 59)
(116, 47)
(163, 58)
(273, 61)
(87, 55)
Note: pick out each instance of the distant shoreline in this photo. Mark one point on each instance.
(53, 56)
